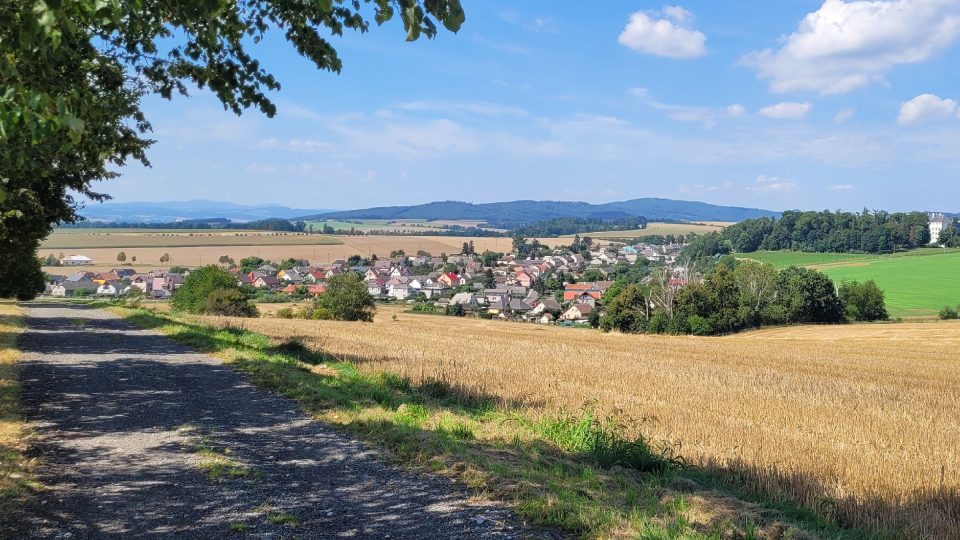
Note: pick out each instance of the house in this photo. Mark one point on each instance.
(938, 222)
(76, 260)
(400, 291)
(578, 313)
(266, 282)
(519, 306)
(375, 286)
(290, 276)
(109, 288)
(267, 269)
(547, 305)
(594, 289)
(289, 289)
(450, 280)
(586, 298)
(80, 276)
(316, 290)
(465, 299)
(546, 318)
(495, 295)
(524, 279)
(70, 288)
(124, 272)
(500, 306)
(434, 291)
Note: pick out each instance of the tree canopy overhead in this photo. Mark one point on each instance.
(72, 74)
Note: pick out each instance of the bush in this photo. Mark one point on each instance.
(699, 326)
(658, 323)
(286, 313)
(199, 285)
(949, 313)
(229, 303)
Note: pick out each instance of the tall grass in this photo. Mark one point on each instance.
(15, 477)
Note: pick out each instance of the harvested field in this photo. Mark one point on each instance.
(859, 421)
(315, 248)
(663, 228)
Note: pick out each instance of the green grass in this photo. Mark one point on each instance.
(917, 283)
(575, 472)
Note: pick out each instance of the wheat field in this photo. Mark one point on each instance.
(859, 422)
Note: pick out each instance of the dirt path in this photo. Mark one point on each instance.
(120, 414)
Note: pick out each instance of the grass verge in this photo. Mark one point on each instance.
(575, 472)
(15, 477)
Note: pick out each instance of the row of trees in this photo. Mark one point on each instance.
(737, 295)
(839, 232)
(573, 225)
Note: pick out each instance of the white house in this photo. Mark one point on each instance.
(109, 288)
(578, 313)
(76, 260)
(937, 223)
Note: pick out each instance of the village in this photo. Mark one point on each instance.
(554, 287)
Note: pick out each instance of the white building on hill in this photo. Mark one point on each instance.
(937, 223)
(76, 260)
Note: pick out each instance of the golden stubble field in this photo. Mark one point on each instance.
(148, 248)
(859, 421)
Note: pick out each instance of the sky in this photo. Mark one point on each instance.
(809, 104)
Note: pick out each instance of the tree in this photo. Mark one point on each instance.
(346, 299)
(165, 258)
(592, 275)
(225, 260)
(488, 280)
(863, 301)
(121, 257)
(628, 312)
(758, 283)
(133, 259)
(199, 285)
(73, 74)
(489, 258)
(229, 303)
(808, 296)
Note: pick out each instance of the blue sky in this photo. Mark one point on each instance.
(787, 104)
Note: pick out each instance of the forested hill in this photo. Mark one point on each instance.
(868, 232)
(515, 213)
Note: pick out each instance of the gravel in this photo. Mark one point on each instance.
(118, 413)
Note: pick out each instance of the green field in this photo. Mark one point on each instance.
(917, 283)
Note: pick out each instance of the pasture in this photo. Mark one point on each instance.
(856, 421)
(916, 283)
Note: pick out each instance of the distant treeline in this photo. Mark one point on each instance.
(270, 224)
(565, 226)
(825, 232)
(445, 230)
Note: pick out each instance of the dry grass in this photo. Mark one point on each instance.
(274, 248)
(858, 422)
(14, 473)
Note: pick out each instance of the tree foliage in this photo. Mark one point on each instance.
(203, 282)
(346, 299)
(72, 75)
(863, 301)
(840, 232)
(229, 303)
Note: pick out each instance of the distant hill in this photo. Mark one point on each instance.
(514, 213)
(161, 212)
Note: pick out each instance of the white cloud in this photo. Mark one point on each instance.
(843, 116)
(926, 107)
(736, 110)
(296, 145)
(771, 183)
(841, 187)
(260, 168)
(787, 111)
(667, 33)
(639, 92)
(847, 44)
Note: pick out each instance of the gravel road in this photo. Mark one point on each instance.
(119, 414)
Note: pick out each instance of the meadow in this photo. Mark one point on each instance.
(857, 422)
(916, 283)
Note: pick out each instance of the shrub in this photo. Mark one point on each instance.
(658, 323)
(229, 303)
(949, 313)
(286, 313)
(699, 326)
